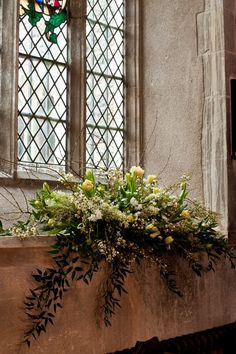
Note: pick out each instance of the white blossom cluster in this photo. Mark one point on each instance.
(24, 233)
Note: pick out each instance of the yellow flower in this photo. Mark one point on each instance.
(185, 214)
(151, 178)
(137, 170)
(168, 240)
(151, 228)
(51, 222)
(87, 185)
(156, 190)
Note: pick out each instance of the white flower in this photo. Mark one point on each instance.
(153, 210)
(96, 216)
(133, 202)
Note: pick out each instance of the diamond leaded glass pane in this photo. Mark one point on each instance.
(42, 98)
(105, 83)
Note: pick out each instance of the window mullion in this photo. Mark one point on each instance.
(77, 93)
(133, 88)
(8, 85)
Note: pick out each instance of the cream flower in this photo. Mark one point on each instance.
(87, 185)
(96, 216)
(137, 170)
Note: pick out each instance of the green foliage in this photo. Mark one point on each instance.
(3, 232)
(33, 15)
(55, 21)
(120, 220)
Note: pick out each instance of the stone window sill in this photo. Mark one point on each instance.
(32, 242)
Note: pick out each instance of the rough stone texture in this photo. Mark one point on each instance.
(173, 86)
(230, 64)
(14, 204)
(149, 309)
(211, 45)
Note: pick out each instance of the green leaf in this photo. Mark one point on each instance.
(33, 15)
(53, 38)
(58, 18)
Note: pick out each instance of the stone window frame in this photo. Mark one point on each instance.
(133, 140)
(216, 48)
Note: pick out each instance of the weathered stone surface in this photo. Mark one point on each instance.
(173, 86)
(149, 309)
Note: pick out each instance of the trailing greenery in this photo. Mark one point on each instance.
(119, 219)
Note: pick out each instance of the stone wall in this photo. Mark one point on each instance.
(230, 65)
(189, 58)
(173, 90)
(149, 309)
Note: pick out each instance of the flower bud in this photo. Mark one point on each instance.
(51, 223)
(137, 170)
(46, 187)
(87, 185)
(151, 228)
(168, 240)
(38, 204)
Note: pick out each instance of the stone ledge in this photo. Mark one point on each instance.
(32, 242)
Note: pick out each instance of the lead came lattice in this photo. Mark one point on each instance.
(42, 98)
(105, 83)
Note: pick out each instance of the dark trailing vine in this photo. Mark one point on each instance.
(44, 300)
(114, 286)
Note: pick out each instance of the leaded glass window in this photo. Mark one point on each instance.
(42, 97)
(76, 103)
(105, 83)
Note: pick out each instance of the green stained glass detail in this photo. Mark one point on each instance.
(53, 18)
(33, 15)
(42, 93)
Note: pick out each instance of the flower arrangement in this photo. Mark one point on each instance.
(119, 219)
